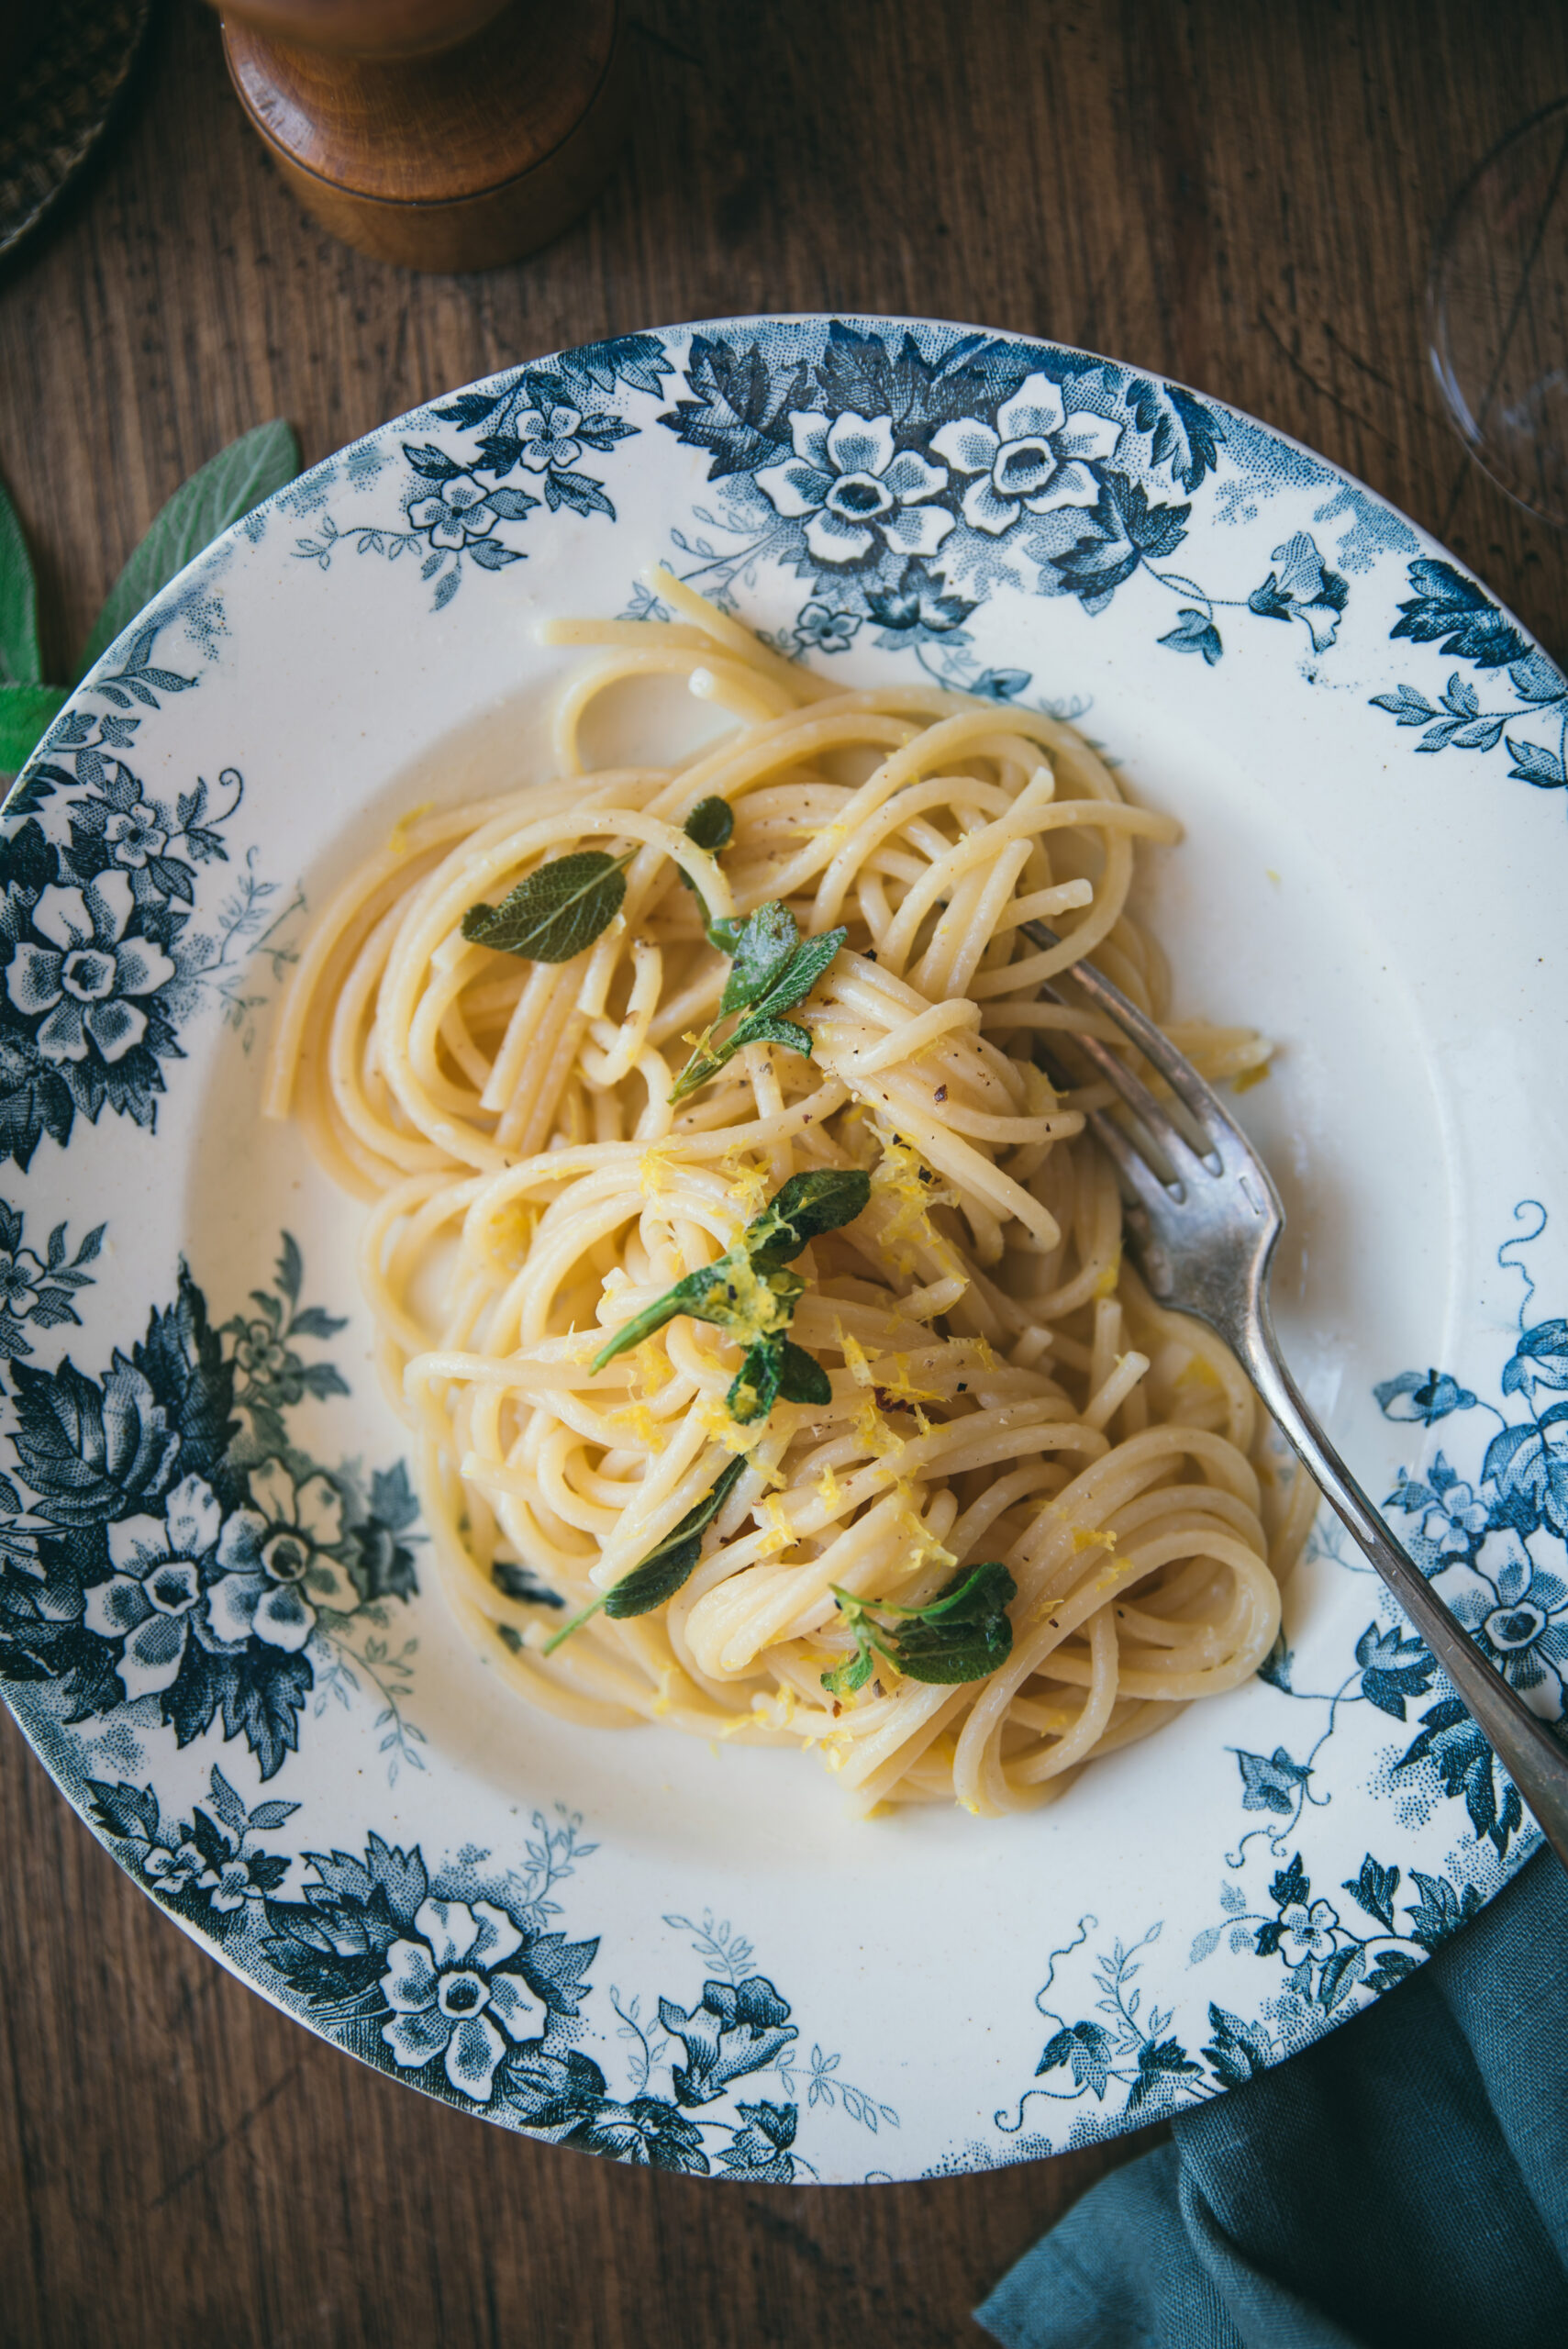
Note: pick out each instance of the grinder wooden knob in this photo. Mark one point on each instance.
(444, 134)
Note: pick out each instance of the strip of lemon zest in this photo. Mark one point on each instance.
(654, 1169)
(777, 1531)
(641, 1424)
(856, 1360)
(829, 1489)
(1092, 1537)
(1107, 1284)
(748, 1184)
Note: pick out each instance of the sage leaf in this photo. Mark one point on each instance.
(672, 1563)
(754, 1389)
(710, 825)
(21, 663)
(762, 953)
(749, 1294)
(756, 1031)
(802, 1378)
(222, 492)
(557, 912)
(26, 714)
(963, 1634)
(773, 970)
(804, 1207)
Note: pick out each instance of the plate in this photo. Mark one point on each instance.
(634, 1944)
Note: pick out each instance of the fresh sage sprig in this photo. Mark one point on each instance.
(667, 1567)
(752, 1295)
(556, 912)
(225, 489)
(773, 970)
(961, 1634)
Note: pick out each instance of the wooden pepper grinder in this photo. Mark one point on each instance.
(444, 134)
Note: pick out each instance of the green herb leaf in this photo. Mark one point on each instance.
(21, 662)
(557, 912)
(802, 1378)
(667, 1567)
(710, 825)
(758, 1031)
(223, 491)
(847, 1678)
(26, 714)
(762, 953)
(963, 1634)
(804, 1207)
(754, 1389)
(750, 1295)
(773, 969)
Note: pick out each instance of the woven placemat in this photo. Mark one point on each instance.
(60, 104)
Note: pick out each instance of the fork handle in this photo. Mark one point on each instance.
(1521, 1738)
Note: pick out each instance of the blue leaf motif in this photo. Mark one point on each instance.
(1532, 763)
(1195, 632)
(1448, 607)
(1269, 1781)
(1394, 1669)
(1088, 2048)
(1183, 432)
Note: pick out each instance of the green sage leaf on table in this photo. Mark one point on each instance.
(222, 492)
(20, 661)
(26, 714)
(557, 912)
(963, 1634)
(773, 970)
(667, 1567)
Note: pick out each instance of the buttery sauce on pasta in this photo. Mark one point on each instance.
(1002, 1386)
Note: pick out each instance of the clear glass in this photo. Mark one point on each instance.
(1498, 312)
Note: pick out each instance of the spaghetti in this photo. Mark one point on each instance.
(986, 1381)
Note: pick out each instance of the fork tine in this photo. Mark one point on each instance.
(1176, 1068)
(1142, 1179)
(1162, 1128)
(1194, 1093)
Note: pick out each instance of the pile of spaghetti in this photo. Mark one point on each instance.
(756, 1044)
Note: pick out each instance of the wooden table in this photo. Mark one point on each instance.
(1241, 195)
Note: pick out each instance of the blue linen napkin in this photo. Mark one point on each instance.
(1404, 2180)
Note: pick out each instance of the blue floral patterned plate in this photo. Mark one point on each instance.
(216, 1624)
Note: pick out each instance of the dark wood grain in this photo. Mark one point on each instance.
(1243, 196)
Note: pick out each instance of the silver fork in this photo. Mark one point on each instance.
(1203, 1229)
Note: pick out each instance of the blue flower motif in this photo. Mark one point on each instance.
(87, 975)
(1035, 458)
(1307, 1933)
(738, 2027)
(133, 834)
(850, 486)
(1424, 1394)
(829, 632)
(275, 1570)
(151, 1597)
(547, 437)
(448, 1992)
(1517, 1609)
(454, 514)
